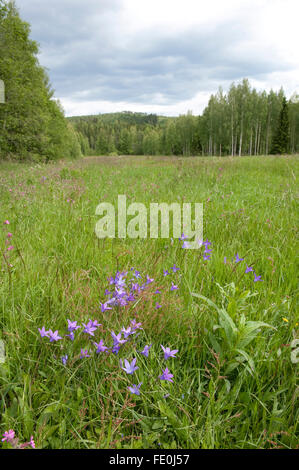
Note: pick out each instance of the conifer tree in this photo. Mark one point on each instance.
(281, 139)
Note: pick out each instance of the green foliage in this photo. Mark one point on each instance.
(32, 123)
(230, 338)
(235, 385)
(242, 122)
(139, 134)
(281, 141)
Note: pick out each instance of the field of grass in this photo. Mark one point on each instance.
(235, 375)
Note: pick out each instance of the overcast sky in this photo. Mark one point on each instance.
(162, 56)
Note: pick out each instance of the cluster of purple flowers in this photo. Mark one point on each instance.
(119, 339)
(10, 437)
(184, 239)
(248, 268)
(167, 272)
(124, 287)
(166, 375)
(206, 244)
(208, 251)
(125, 290)
(174, 269)
(89, 329)
(53, 336)
(207, 256)
(127, 287)
(130, 368)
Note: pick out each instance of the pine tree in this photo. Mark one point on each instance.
(281, 139)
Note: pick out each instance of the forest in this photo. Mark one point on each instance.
(241, 122)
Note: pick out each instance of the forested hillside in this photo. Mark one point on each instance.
(241, 122)
(32, 123)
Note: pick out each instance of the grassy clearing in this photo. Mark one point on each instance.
(234, 384)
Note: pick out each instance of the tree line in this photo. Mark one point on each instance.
(241, 122)
(32, 122)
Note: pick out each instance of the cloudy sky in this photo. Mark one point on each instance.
(162, 56)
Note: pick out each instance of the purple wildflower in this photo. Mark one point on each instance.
(119, 281)
(117, 339)
(173, 286)
(136, 326)
(32, 443)
(185, 245)
(257, 278)
(166, 375)
(130, 298)
(90, 327)
(129, 368)
(238, 259)
(100, 347)
(248, 269)
(84, 353)
(71, 336)
(8, 435)
(64, 359)
(119, 292)
(135, 389)
(134, 286)
(104, 307)
(158, 305)
(127, 332)
(168, 353)
(149, 280)
(199, 242)
(145, 351)
(54, 336)
(72, 326)
(115, 349)
(165, 273)
(175, 268)
(183, 237)
(43, 332)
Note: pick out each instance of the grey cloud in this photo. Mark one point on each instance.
(89, 60)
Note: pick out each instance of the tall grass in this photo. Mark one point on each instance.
(234, 383)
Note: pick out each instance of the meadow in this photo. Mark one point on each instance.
(212, 330)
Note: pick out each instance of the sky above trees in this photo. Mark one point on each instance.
(162, 56)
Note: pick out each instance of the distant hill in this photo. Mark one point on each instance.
(126, 117)
(243, 121)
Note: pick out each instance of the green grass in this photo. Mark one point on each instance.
(235, 385)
